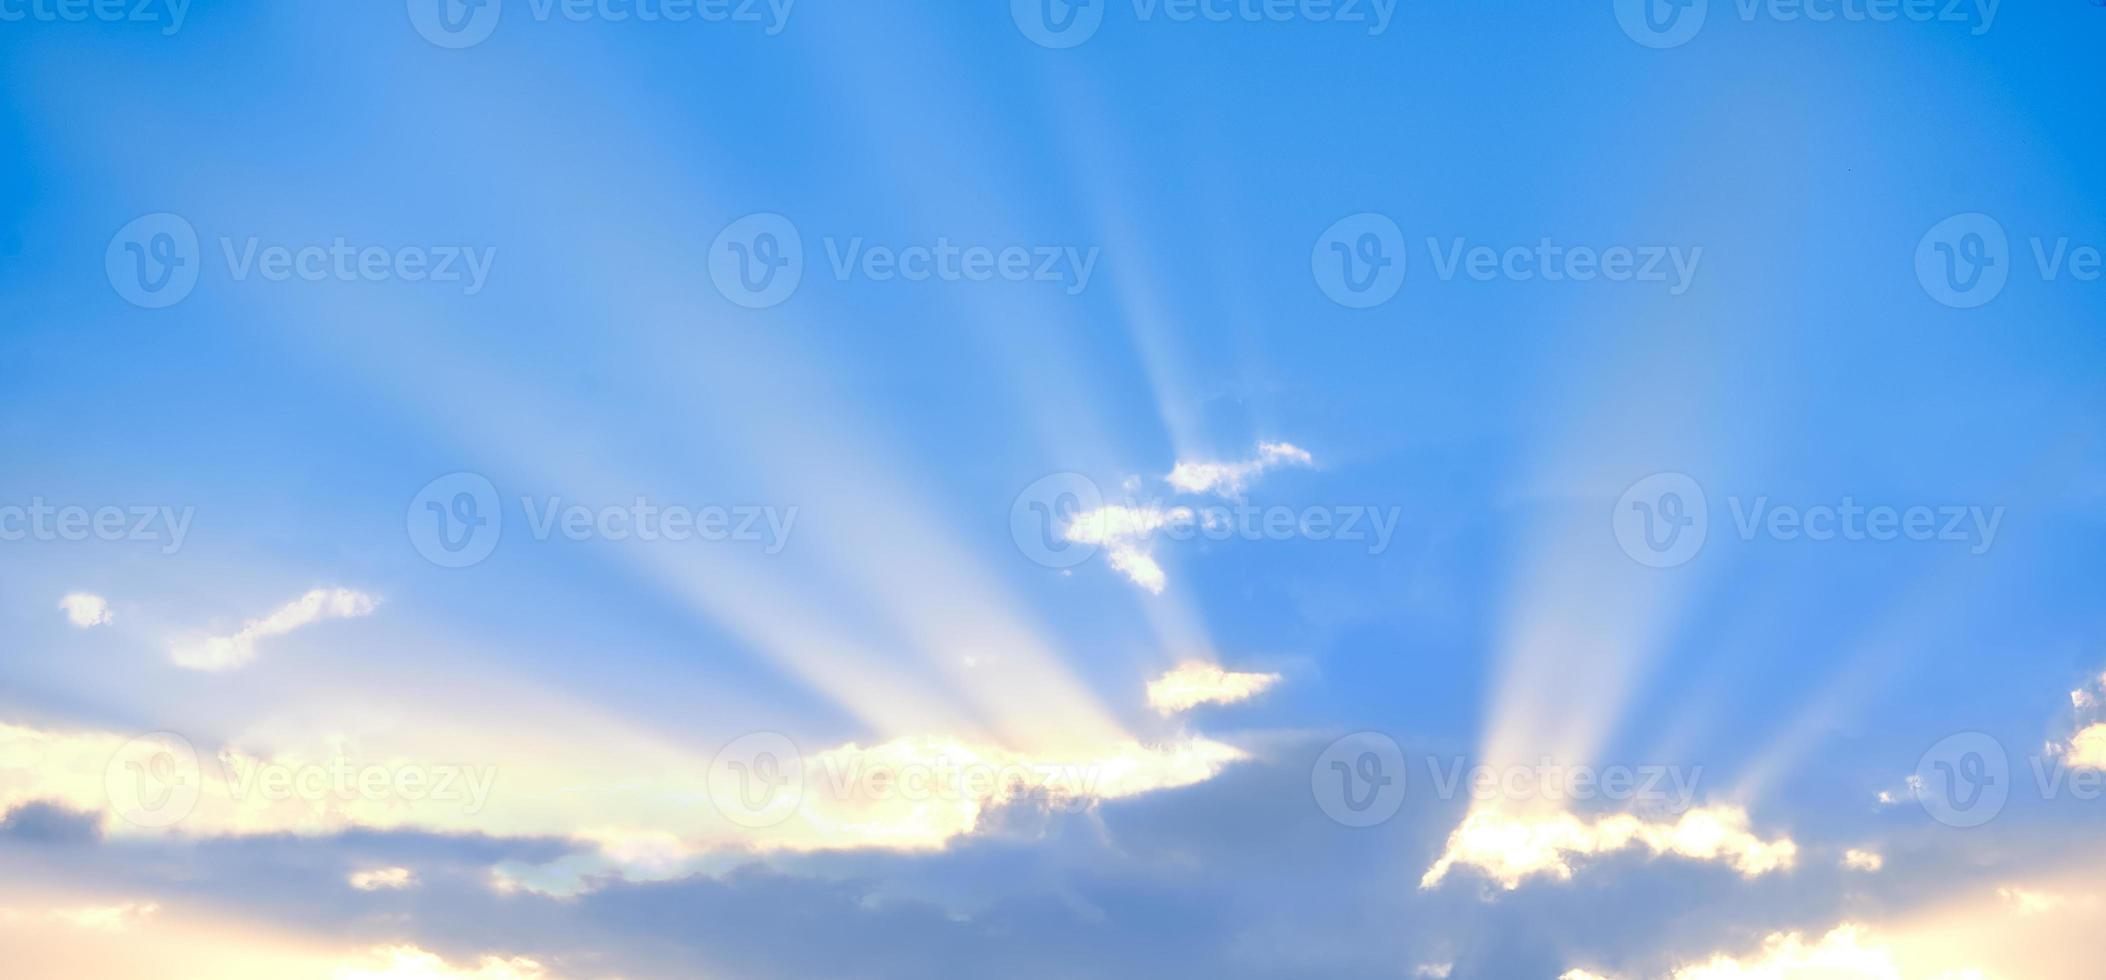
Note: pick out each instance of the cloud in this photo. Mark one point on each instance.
(1849, 952)
(1196, 683)
(2087, 749)
(1229, 479)
(412, 963)
(378, 879)
(226, 652)
(1511, 848)
(1124, 533)
(86, 610)
(119, 917)
(1861, 860)
(637, 808)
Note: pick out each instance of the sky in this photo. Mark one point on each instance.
(557, 489)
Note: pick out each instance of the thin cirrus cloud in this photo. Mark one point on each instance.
(1511, 848)
(1192, 684)
(86, 610)
(239, 648)
(1126, 532)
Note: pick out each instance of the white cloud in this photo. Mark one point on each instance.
(86, 610)
(1196, 683)
(1229, 479)
(2087, 749)
(1856, 859)
(1124, 533)
(411, 963)
(226, 652)
(1511, 848)
(377, 879)
(1434, 971)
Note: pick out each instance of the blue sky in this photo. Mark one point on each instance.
(707, 438)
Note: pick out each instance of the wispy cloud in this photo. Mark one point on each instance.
(1229, 479)
(1192, 684)
(227, 652)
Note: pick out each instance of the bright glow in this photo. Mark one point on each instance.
(86, 610)
(411, 963)
(118, 917)
(1511, 848)
(2087, 749)
(226, 652)
(378, 879)
(1197, 683)
(1867, 861)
